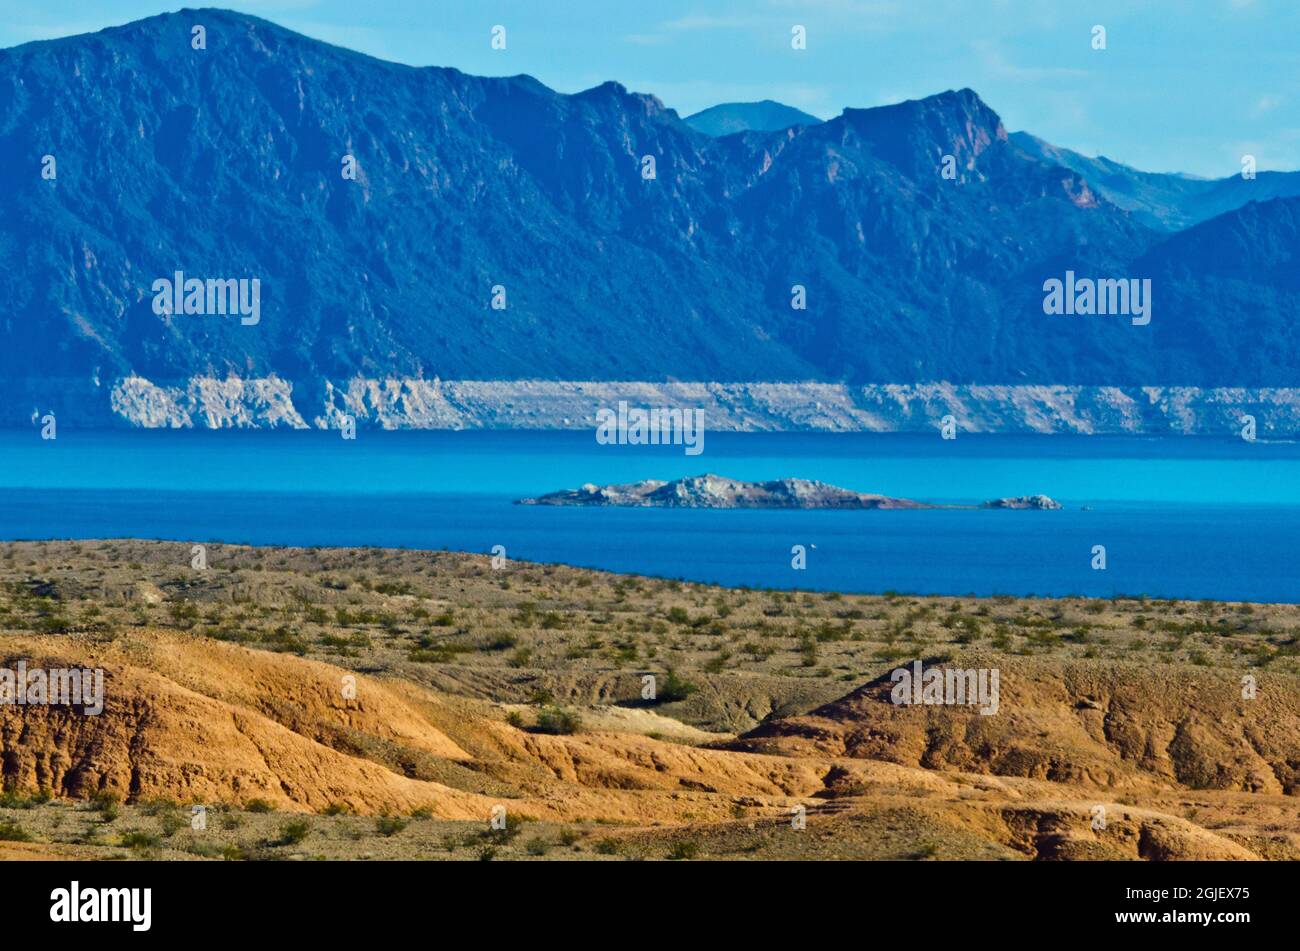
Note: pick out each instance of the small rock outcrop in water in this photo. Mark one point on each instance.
(718, 492)
(1039, 502)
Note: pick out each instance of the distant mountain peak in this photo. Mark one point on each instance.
(957, 116)
(615, 92)
(608, 88)
(916, 135)
(189, 17)
(766, 115)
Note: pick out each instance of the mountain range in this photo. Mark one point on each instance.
(497, 230)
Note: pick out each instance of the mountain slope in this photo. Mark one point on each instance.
(226, 163)
(729, 118)
(1230, 279)
(1162, 201)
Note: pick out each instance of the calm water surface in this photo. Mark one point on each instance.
(1194, 518)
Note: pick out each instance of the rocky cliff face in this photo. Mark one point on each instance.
(728, 407)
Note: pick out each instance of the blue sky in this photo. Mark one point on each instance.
(1184, 85)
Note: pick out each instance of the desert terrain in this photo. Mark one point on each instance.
(376, 704)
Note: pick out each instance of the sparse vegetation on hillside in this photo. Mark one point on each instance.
(526, 687)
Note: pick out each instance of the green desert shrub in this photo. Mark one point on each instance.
(293, 832)
(674, 688)
(558, 721)
(138, 840)
(683, 850)
(11, 831)
(389, 825)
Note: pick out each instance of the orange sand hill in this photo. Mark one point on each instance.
(206, 721)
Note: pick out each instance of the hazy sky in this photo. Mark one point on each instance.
(1184, 85)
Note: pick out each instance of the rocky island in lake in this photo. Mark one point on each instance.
(718, 492)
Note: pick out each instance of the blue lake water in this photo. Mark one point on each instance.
(1195, 518)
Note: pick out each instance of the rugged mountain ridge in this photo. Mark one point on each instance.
(226, 163)
(1167, 202)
